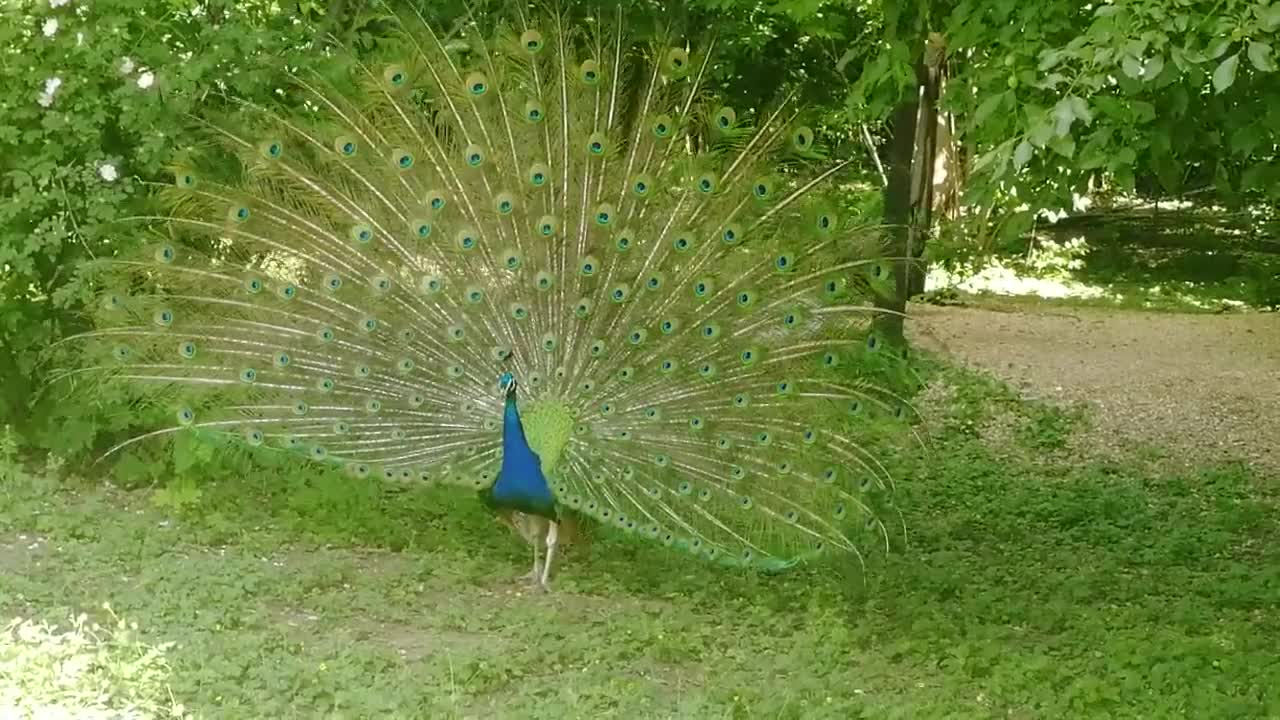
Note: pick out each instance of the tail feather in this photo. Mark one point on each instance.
(670, 281)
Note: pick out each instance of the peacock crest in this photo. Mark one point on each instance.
(547, 229)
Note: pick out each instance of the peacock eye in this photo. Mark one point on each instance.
(662, 126)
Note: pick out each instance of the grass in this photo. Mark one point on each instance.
(84, 671)
(1035, 585)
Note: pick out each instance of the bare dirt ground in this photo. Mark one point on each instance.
(1206, 387)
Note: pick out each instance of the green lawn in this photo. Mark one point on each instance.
(1034, 585)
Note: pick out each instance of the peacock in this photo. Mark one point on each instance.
(535, 258)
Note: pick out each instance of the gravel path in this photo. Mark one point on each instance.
(1207, 387)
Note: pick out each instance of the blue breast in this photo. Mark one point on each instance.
(520, 484)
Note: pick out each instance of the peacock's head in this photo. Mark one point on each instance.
(507, 383)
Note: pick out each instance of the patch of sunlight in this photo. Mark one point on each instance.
(85, 671)
(1048, 271)
(1000, 279)
(1045, 272)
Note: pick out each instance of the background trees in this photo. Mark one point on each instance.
(1028, 109)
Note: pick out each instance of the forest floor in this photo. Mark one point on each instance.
(1099, 538)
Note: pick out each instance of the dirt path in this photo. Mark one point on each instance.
(1205, 386)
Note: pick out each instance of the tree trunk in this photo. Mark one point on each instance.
(897, 216)
(908, 195)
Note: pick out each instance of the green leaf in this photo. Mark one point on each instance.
(1080, 108)
(1041, 122)
(1167, 170)
(1257, 176)
(1269, 15)
(1246, 139)
(1222, 179)
(1063, 116)
(1131, 67)
(1095, 153)
(987, 107)
(1154, 66)
(1064, 146)
(1052, 81)
(1143, 111)
(1225, 74)
(1179, 100)
(998, 155)
(1260, 56)
(1111, 107)
(1022, 154)
(1049, 58)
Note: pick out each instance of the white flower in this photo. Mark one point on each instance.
(146, 79)
(126, 65)
(55, 4)
(108, 172)
(50, 27)
(50, 87)
(79, 39)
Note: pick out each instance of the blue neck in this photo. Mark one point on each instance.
(512, 429)
(520, 484)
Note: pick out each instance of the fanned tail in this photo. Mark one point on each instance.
(687, 309)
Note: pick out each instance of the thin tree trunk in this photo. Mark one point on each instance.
(897, 216)
(923, 162)
(908, 194)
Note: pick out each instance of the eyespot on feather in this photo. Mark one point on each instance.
(476, 84)
(401, 159)
(345, 145)
(662, 127)
(802, 139)
(537, 174)
(465, 239)
(395, 76)
(597, 145)
(676, 62)
(534, 111)
(271, 149)
(531, 41)
(724, 118)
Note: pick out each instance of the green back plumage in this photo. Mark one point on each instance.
(687, 317)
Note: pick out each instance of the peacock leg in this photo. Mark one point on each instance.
(534, 575)
(553, 536)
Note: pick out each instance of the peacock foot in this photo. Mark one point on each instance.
(534, 584)
(533, 577)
